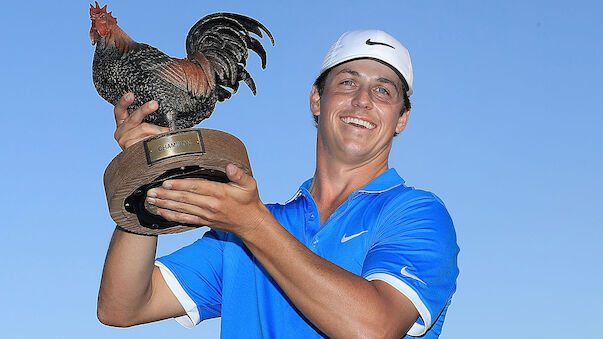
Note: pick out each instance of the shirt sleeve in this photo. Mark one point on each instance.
(415, 251)
(194, 275)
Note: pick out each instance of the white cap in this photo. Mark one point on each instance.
(372, 44)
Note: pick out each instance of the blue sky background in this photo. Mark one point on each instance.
(505, 128)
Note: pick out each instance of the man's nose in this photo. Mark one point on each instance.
(363, 98)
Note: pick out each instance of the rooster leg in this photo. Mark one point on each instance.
(171, 118)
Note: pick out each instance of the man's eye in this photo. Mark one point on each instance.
(382, 90)
(347, 82)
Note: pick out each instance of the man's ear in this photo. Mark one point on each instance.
(402, 120)
(315, 101)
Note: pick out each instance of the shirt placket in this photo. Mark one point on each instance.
(312, 221)
(313, 227)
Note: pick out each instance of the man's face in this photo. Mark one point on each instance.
(359, 111)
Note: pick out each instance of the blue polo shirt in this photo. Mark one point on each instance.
(384, 231)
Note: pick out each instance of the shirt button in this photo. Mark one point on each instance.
(315, 242)
(312, 216)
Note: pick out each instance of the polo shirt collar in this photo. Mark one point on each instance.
(386, 181)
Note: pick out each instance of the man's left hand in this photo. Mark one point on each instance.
(233, 207)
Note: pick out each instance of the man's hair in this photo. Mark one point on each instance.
(320, 86)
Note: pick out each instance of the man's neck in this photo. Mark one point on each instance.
(334, 182)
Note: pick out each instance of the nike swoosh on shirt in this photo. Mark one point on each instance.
(344, 239)
(410, 275)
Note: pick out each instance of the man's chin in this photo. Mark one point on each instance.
(356, 151)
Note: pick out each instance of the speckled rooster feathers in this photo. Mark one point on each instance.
(187, 89)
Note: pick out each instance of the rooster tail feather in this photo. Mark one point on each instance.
(224, 65)
(252, 25)
(248, 80)
(257, 47)
(222, 93)
(224, 39)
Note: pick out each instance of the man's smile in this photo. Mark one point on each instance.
(358, 122)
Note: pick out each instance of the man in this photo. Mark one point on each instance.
(355, 253)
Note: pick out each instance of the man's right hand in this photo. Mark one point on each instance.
(129, 127)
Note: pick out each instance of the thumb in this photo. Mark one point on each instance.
(239, 177)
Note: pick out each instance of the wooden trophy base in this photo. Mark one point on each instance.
(188, 153)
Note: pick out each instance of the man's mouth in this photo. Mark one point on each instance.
(358, 123)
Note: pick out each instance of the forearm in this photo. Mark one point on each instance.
(126, 281)
(341, 304)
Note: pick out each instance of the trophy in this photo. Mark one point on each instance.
(187, 90)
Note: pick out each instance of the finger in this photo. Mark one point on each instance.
(179, 209)
(141, 112)
(131, 141)
(182, 217)
(145, 129)
(197, 186)
(127, 135)
(239, 177)
(193, 203)
(121, 109)
(176, 205)
(130, 132)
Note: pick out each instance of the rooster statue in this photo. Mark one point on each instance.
(186, 89)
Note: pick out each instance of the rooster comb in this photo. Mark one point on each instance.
(100, 10)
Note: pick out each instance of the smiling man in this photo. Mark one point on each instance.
(354, 253)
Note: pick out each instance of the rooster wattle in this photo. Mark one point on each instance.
(186, 89)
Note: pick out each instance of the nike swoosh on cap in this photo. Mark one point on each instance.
(345, 238)
(371, 43)
(410, 275)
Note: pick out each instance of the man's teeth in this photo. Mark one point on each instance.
(356, 121)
